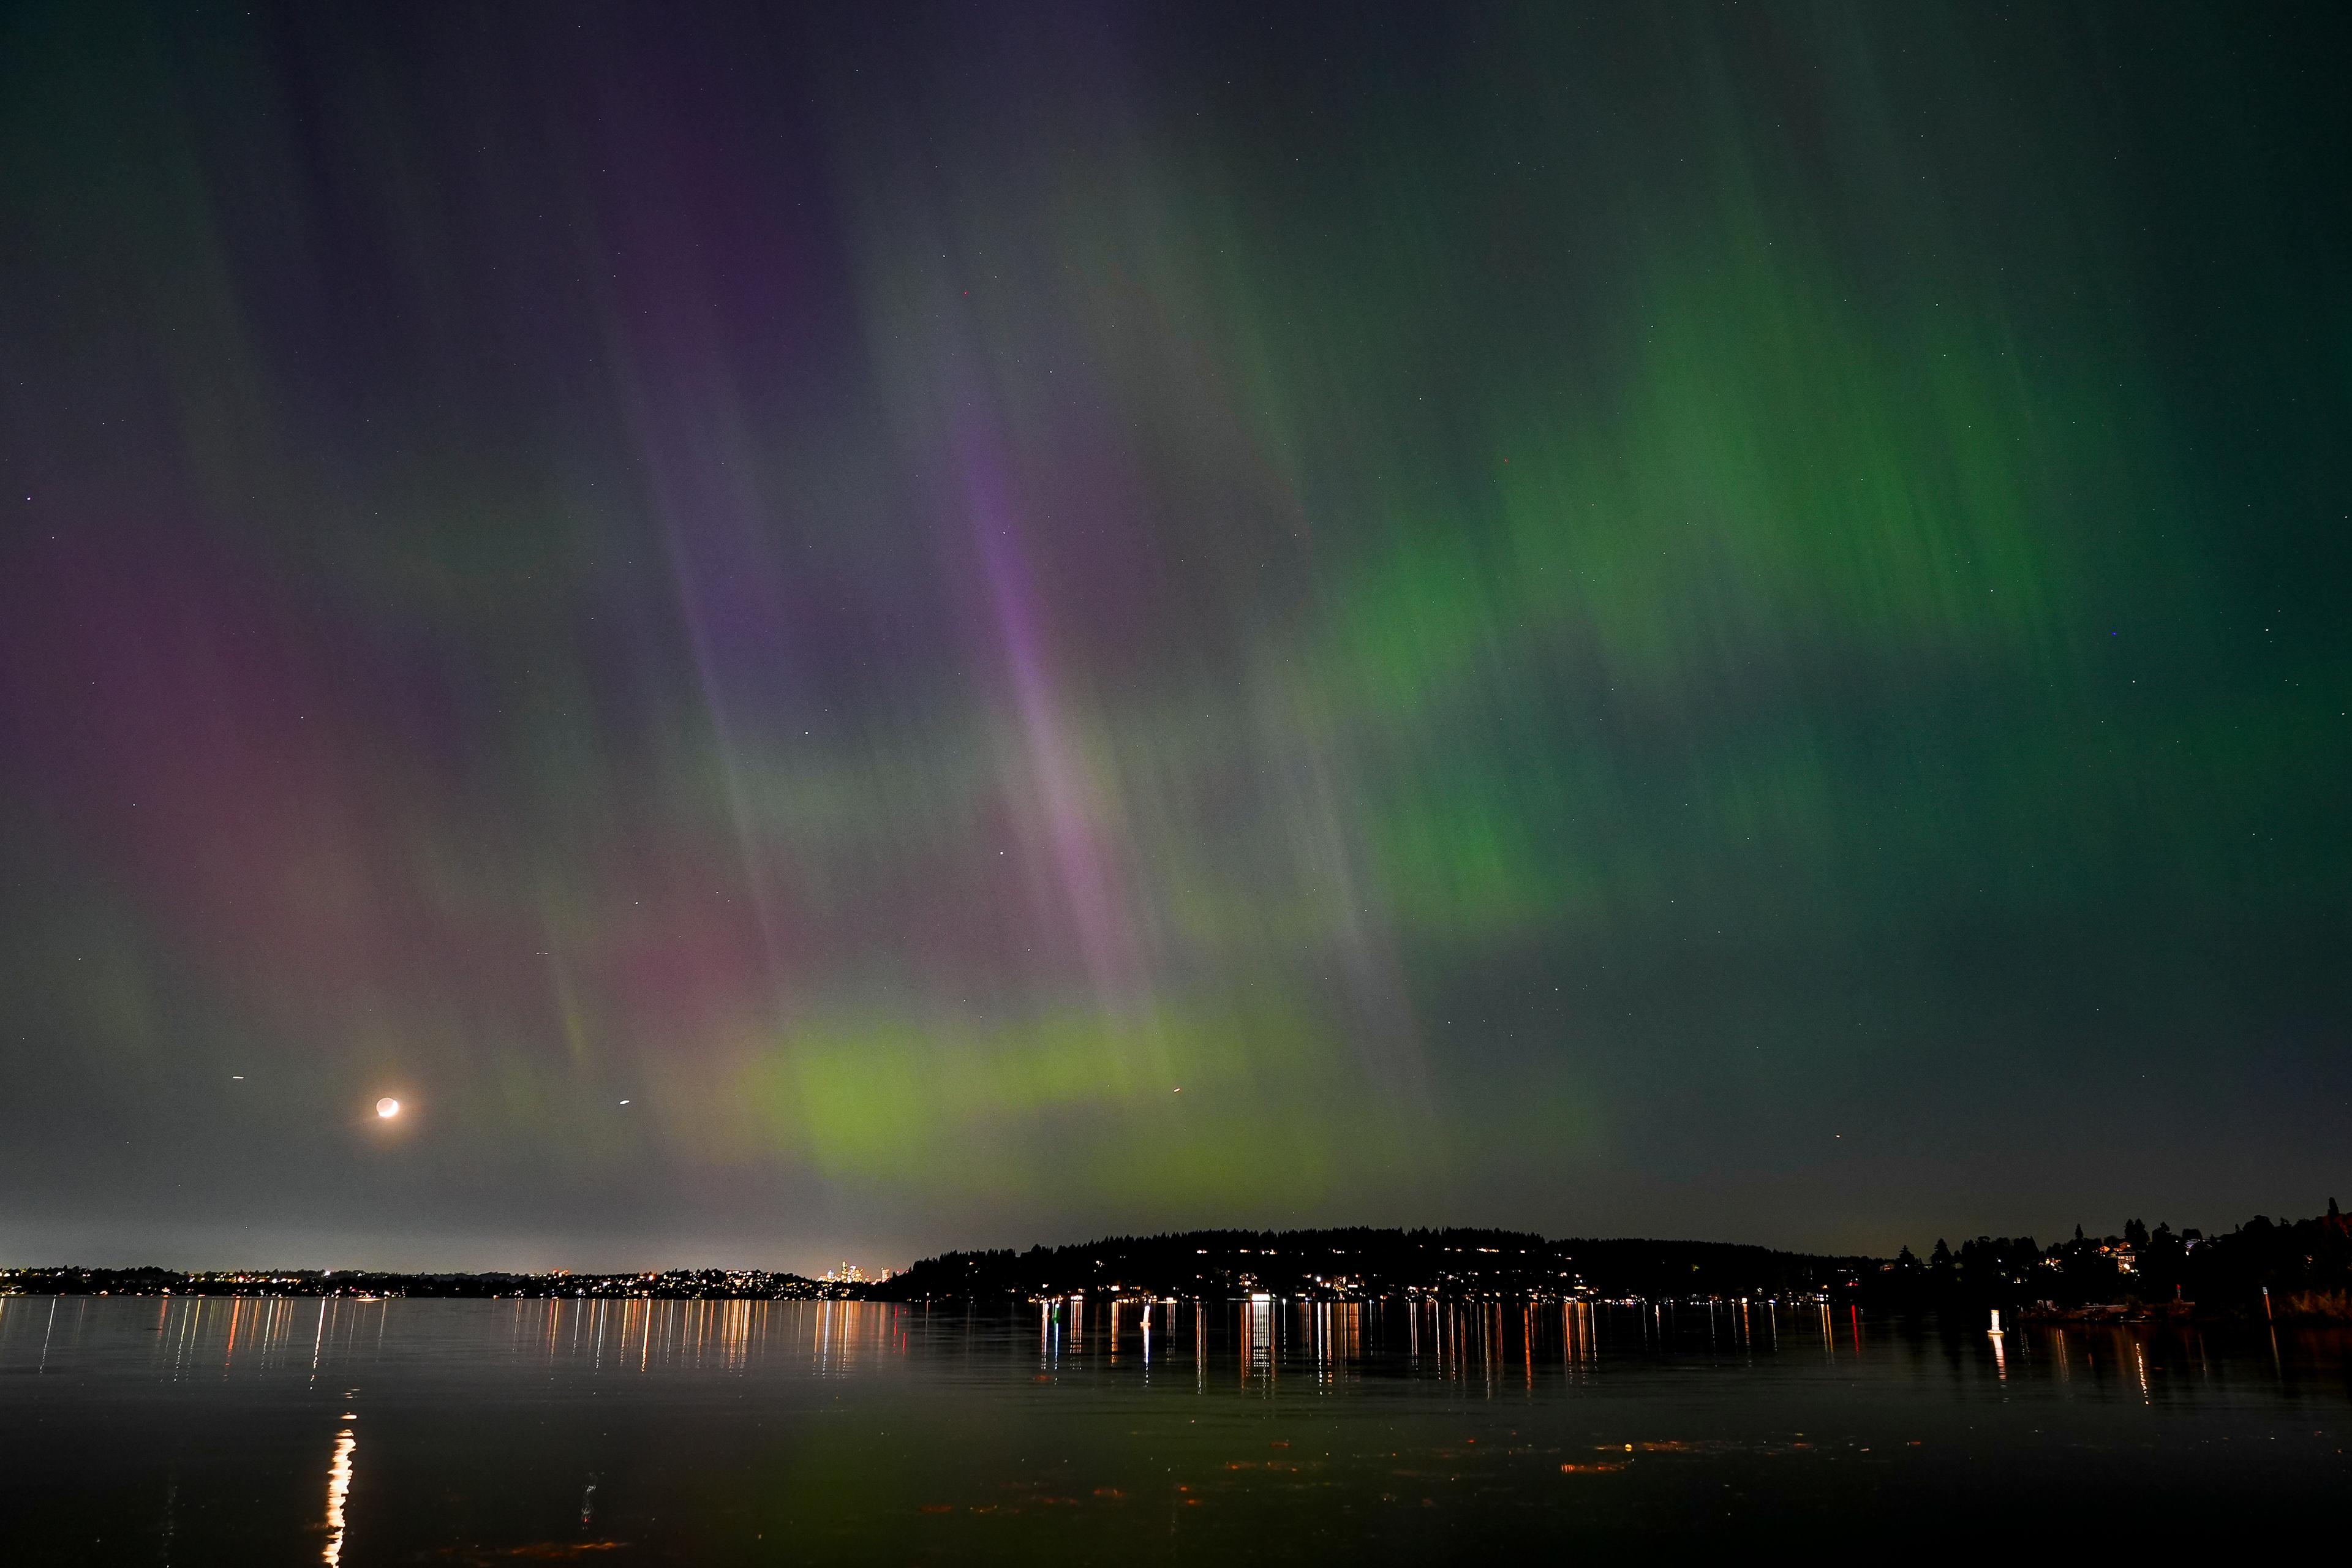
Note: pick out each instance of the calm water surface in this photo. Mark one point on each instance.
(184, 1431)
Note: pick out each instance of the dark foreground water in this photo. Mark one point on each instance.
(140, 1430)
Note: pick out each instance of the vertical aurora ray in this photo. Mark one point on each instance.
(1073, 830)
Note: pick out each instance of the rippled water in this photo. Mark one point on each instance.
(183, 1431)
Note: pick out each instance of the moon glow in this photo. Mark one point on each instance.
(387, 1108)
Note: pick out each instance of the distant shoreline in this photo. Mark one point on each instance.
(2263, 1270)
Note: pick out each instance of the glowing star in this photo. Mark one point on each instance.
(387, 1108)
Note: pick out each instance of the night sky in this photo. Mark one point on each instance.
(968, 625)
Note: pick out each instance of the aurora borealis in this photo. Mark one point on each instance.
(1714, 620)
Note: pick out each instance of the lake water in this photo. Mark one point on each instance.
(285, 1431)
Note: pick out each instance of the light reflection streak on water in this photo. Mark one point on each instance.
(839, 1338)
(1490, 1326)
(740, 1318)
(338, 1486)
(1258, 1323)
(252, 1340)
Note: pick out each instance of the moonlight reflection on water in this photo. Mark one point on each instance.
(338, 1486)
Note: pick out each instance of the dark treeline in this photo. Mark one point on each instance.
(2306, 1268)
(2298, 1269)
(1360, 1261)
